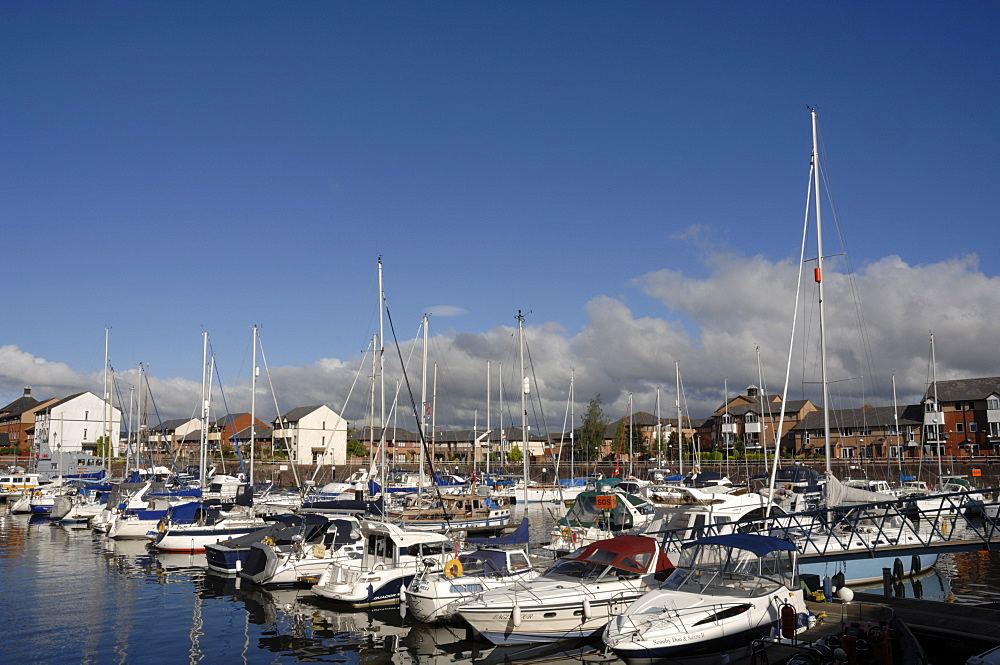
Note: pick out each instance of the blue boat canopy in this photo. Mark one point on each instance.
(515, 537)
(759, 545)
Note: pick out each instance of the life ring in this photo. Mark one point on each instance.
(268, 541)
(789, 487)
(453, 569)
(566, 533)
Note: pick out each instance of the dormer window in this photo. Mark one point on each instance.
(750, 417)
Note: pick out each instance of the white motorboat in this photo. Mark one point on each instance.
(436, 595)
(391, 559)
(725, 591)
(599, 514)
(305, 557)
(573, 598)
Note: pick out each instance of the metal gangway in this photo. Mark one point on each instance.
(941, 523)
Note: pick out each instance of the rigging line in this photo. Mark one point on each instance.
(229, 420)
(416, 414)
(791, 340)
(863, 334)
(343, 409)
(541, 411)
(278, 414)
(162, 429)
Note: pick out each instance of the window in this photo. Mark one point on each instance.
(846, 431)
(993, 403)
(847, 453)
(973, 426)
(994, 429)
(865, 431)
(86, 416)
(895, 451)
(960, 427)
(751, 417)
(958, 406)
(84, 433)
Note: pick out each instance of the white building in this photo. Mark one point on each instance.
(312, 435)
(75, 423)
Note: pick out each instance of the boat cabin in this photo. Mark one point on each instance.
(735, 564)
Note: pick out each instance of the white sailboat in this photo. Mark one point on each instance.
(873, 527)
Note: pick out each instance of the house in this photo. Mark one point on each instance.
(17, 420)
(750, 420)
(962, 417)
(311, 435)
(867, 432)
(174, 435)
(75, 423)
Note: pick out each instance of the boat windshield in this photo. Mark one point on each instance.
(717, 569)
(599, 564)
(585, 512)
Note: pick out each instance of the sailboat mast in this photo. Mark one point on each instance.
(630, 455)
(381, 351)
(253, 401)
(526, 386)
(938, 420)
(680, 429)
(107, 409)
(489, 433)
(206, 386)
(572, 421)
(423, 410)
(818, 275)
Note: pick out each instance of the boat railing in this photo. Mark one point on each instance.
(857, 531)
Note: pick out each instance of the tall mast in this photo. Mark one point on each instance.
(107, 409)
(631, 472)
(489, 432)
(423, 410)
(381, 350)
(818, 276)
(938, 420)
(253, 401)
(680, 428)
(572, 423)
(206, 387)
(526, 387)
(658, 429)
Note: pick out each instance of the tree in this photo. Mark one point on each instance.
(595, 424)
(102, 447)
(638, 443)
(356, 449)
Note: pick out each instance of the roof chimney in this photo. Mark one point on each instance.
(752, 390)
(27, 391)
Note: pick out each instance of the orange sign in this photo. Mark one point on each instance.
(605, 501)
(976, 473)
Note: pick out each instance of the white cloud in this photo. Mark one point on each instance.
(711, 324)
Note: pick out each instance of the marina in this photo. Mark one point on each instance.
(122, 601)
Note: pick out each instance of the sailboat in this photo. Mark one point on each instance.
(875, 522)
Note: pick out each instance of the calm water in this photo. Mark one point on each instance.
(70, 596)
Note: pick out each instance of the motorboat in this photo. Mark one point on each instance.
(599, 514)
(573, 598)
(724, 592)
(229, 557)
(451, 512)
(306, 556)
(190, 527)
(392, 557)
(435, 595)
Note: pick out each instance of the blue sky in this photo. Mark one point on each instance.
(630, 175)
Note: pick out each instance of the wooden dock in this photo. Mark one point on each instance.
(948, 633)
